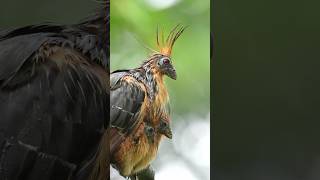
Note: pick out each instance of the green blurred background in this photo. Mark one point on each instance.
(266, 90)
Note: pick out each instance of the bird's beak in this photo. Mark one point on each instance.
(168, 133)
(171, 72)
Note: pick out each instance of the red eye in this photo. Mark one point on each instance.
(166, 61)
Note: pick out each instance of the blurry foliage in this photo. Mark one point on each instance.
(133, 28)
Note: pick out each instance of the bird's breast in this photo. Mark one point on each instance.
(136, 152)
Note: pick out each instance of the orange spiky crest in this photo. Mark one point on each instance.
(165, 46)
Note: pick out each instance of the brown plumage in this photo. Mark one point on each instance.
(139, 105)
(54, 91)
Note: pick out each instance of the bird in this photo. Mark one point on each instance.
(153, 137)
(139, 108)
(54, 99)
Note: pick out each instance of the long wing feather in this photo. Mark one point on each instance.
(126, 99)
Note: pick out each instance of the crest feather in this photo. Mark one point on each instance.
(165, 46)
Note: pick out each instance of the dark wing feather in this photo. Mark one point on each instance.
(56, 106)
(16, 50)
(126, 98)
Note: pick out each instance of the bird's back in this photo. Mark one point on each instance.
(53, 100)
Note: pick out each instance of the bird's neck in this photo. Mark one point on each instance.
(152, 79)
(156, 89)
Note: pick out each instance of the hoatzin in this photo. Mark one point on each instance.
(139, 115)
(54, 100)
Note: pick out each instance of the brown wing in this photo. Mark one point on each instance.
(126, 98)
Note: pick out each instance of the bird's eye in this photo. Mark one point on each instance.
(166, 61)
(163, 124)
(149, 130)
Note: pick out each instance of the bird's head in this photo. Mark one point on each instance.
(164, 127)
(162, 65)
(149, 131)
(161, 60)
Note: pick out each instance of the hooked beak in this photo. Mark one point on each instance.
(168, 133)
(165, 129)
(171, 72)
